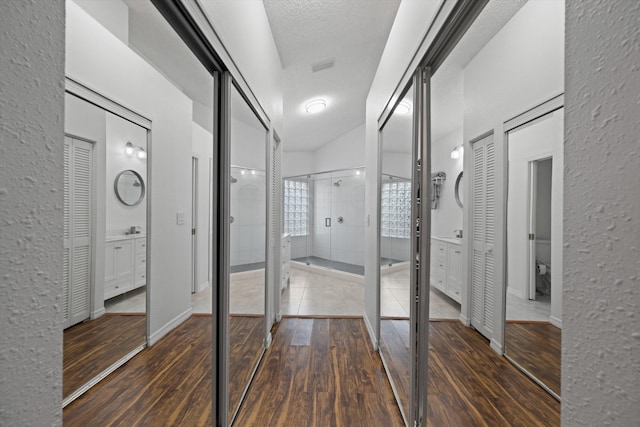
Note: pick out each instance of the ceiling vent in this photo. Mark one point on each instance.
(323, 65)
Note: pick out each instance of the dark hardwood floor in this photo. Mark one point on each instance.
(395, 348)
(318, 372)
(91, 347)
(470, 385)
(537, 348)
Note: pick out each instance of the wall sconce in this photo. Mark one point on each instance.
(457, 152)
(131, 149)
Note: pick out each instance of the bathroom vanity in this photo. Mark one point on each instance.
(446, 266)
(125, 264)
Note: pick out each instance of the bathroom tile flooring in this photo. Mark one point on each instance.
(524, 309)
(309, 293)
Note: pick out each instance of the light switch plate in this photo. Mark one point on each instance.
(180, 218)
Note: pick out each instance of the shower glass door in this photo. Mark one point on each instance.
(324, 214)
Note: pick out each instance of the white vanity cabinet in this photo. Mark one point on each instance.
(125, 265)
(446, 266)
(286, 261)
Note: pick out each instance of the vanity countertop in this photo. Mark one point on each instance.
(453, 240)
(124, 237)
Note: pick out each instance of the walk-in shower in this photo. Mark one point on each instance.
(324, 213)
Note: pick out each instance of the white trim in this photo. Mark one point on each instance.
(496, 346)
(372, 334)
(81, 90)
(169, 326)
(555, 321)
(98, 313)
(550, 105)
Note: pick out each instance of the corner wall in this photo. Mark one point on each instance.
(31, 131)
(601, 335)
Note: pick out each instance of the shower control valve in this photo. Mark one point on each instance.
(340, 220)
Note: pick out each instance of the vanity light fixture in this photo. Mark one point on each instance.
(315, 106)
(403, 108)
(242, 172)
(253, 172)
(457, 152)
(131, 149)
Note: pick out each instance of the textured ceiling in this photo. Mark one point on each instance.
(353, 32)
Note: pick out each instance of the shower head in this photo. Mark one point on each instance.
(233, 179)
(337, 183)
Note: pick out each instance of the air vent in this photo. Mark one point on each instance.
(323, 65)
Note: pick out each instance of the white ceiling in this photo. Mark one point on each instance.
(354, 33)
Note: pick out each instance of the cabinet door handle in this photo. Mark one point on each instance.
(457, 252)
(118, 247)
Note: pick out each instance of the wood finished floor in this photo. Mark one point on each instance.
(91, 347)
(537, 348)
(318, 372)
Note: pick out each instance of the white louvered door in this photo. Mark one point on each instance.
(483, 307)
(78, 173)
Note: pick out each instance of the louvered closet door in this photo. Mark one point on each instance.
(78, 173)
(483, 232)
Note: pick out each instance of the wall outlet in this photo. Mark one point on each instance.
(180, 218)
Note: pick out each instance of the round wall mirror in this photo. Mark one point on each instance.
(458, 189)
(129, 187)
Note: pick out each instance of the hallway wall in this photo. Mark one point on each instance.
(31, 131)
(601, 335)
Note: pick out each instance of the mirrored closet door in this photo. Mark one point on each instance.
(533, 321)
(105, 242)
(247, 231)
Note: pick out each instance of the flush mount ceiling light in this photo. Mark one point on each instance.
(457, 152)
(404, 108)
(315, 106)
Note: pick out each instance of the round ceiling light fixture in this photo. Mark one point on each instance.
(403, 108)
(315, 106)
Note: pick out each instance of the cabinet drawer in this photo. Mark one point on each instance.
(439, 248)
(141, 278)
(141, 246)
(141, 262)
(116, 287)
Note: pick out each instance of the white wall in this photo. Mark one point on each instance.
(600, 339)
(248, 208)
(448, 216)
(120, 217)
(244, 29)
(114, 15)
(31, 165)
(345, 152)
(540, 139)
(202, 149)
(97, 58)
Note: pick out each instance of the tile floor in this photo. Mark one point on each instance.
(524, 309)
(309, 293)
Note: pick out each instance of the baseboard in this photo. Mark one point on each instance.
(372, 335)
(555, 321)
(98, 313)
(168, 327)
(328, 272)
(202, 286)
(496, 346)
(465, 320)
(385, 269)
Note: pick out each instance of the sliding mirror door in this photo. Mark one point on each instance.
(247, 222)
(397, 342)
(534, 239)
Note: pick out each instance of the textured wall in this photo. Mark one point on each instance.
(31, 131)
(601, 337)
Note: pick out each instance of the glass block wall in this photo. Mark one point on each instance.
(396, 209)
(296, 207)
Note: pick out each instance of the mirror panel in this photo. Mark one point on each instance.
(395, 248)
(105, 243)
(248, 234)
(534, 248)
